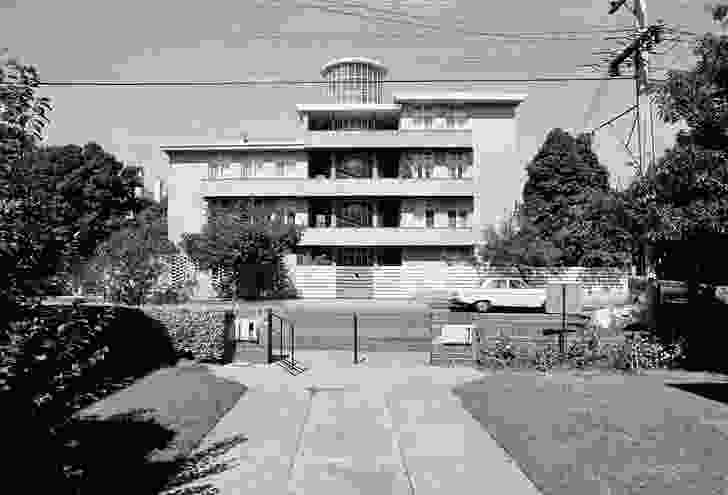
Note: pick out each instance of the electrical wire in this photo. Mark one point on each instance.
(613, 119)
(635, 160)
(409, 16)
(412, 21)
(631, 132)
(284, 82)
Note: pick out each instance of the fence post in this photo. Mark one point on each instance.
(230, 337)
(356, 339)
(269, 335)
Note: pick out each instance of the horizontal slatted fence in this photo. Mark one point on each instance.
(413, 278)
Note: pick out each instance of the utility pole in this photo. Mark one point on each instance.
(647, 37)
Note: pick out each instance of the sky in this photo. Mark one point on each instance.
(164, 40)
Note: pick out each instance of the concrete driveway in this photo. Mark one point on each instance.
(390, 425)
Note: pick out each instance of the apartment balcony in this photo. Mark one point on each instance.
(301, 187)
(388, 236)
(388, 139)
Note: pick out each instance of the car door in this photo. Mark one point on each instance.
(498, 292)
(519, 293)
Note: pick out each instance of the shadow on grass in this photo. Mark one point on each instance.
(713, 391)
(132, 453)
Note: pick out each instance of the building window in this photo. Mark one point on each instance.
(460, 119)
(429, 218)
(428, 160)
(356, 257)
(256, 167)
(463, 219)
(292, 217)
(215, 170)
(280, 168)
(451, 219)
(418, 120)
(246, 169)
(390, 256)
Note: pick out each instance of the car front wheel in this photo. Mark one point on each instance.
(482, 306)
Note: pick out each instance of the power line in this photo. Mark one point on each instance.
(609, 122)
(412, 21)
(284, 82)
(409, 16)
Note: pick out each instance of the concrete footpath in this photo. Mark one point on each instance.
(389, 425)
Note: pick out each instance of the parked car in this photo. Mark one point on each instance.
(498, 292)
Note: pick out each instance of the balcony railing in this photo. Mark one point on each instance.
(444, 138)
(296, 187)
(389, 236)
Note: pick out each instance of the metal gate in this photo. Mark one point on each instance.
(281, 343)
(354, 282)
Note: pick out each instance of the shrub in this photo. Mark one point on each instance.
(58, 359)
(172, 294)
(49, 358)
(200, 335)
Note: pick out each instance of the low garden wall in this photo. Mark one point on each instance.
(413, 279)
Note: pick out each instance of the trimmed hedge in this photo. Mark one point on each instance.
(196, 334)
(57, 359)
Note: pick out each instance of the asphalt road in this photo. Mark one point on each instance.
(334, 320)
(376, 319)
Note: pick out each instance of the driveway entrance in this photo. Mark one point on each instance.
(354, 282)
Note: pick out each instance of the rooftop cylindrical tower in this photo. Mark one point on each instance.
(355, 79)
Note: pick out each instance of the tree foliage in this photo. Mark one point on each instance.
(130, 259)
(569, 208)
(517, 243)
(23, 113)
(68, 199)
(686, 192)
(230, 239)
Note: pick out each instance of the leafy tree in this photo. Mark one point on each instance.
(517, 243)
(130, 257)
(685, 194)
(569, 207)
(523, 248)
(79, 196)
(231, 239)
(23, 113)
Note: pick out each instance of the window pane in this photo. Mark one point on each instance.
(429, 218)
(451, 219)
(463, 219)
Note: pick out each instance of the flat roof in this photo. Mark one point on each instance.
(501, 98)
(353, 60)
(293, 145)
(384, 108)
